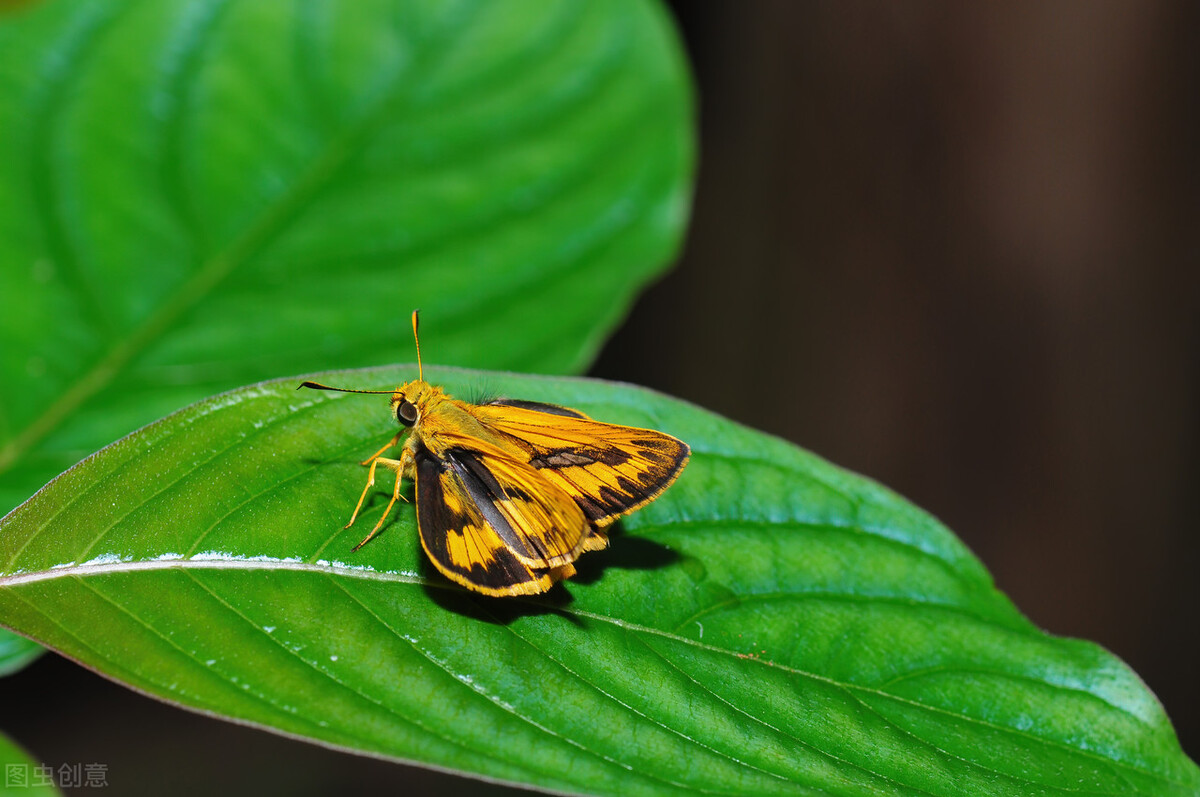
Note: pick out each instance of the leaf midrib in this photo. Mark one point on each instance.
(361, 572)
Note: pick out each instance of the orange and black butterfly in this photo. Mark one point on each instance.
(510, 493)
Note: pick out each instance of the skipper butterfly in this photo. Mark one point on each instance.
(510, 493)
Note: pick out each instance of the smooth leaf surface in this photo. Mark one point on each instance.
(195, 195)
(771, 624)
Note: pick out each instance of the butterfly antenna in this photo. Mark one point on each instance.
(417, 340)
(319, 386)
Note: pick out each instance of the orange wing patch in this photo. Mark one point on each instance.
(610, 470)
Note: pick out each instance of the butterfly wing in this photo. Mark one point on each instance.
(609, 470)
(489, 523)
(538, 406)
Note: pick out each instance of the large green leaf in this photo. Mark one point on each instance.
(771, 624)
(198, 195)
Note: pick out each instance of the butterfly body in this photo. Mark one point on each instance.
(510, 493)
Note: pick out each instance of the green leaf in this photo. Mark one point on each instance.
(20, 772)
(771, 624)
(15, 652)
(197, 195)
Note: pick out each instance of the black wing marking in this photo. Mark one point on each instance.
(461, 543)
(526, 516)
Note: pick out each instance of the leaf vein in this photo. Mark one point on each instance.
(870, 690)
(847, 597)
(390, 710)
(1005, 775)
(622, 704)
(760, 721)
(502, 706)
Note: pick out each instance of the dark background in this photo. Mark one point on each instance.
(953, 247)
(950, 246)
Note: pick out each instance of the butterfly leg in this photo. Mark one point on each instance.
(398, 466)
(373, 460)
(386, 446)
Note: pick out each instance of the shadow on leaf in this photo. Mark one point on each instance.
(630, 553)
(624, 552)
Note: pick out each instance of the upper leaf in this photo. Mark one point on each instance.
(195, 195)
(770, 624)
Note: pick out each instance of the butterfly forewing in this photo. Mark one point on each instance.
(538, 406)
(609, 470)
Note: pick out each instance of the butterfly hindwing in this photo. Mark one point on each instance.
(609, 470)
(487, 536)
(460, 542)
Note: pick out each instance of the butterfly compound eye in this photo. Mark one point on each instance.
(406, 412)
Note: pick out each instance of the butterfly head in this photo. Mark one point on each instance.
(410, 400)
